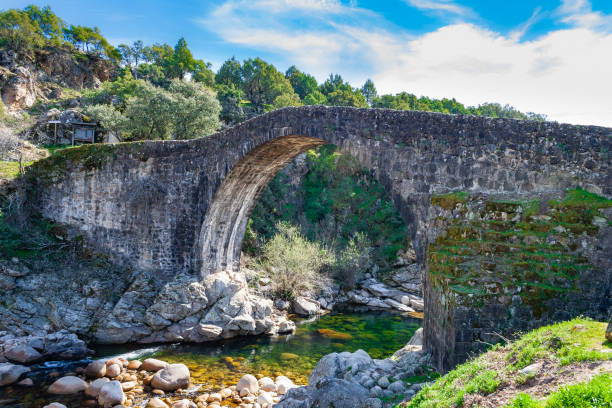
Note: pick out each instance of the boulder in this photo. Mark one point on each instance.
(10, 373)
(372, 403)
(111, 394)
(184, 403)
(305, 307)
(55, 405)
(93, 390)
(210, 331)
(22, 353)
(417, 338)
(113, 370)
(249, 383)
(283, 384)
(156, 403)
(96, 369)
(152, 364)
(26, 382)
(337, 393)
(267, 384)
(338, 365)
(134, 364)
(265, 399)
(68, 385)
(171, 378)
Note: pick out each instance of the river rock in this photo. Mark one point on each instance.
(96, 369)
(338, 393)
(336, 365)
(397, 387)
(383, 382)
(26, 382)
(68, 385)
(267, 384)
(210, 331)
(55, 405)
(305, 307)
(171, 378)
(113, 370)
(93, 390)
(249, 383)
(152, 364)
(111, 394)
(10, 373)
(184, 403)
(372, 403)
(22, 353)
(156, 403)
(265, 399)
(417, 338)
(134, 364)
(283, 384)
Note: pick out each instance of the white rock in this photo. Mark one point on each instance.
(93, 390)
(530, 369)
(55, 405)
(111, 394)
(156, 403)
(249, 382)
(267, 384)
(152, 364)
(68, 385)
(10, 373)
(173, 377)
(283, 384)
(265, 399)
(305, 307)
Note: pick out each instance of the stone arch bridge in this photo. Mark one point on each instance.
(176, 206)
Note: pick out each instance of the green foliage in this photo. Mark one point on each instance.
(449, 201)
(294, 264)
(149, 112)
(263, 84)
(18, 32)
(180, 62)
(315, 98)
(230, 74)
(108, 117)
(368, 90)
(352, 260)
(344, 208)
(562, 342)
(596, 393)
(194, 111)
(230, 99)
(303, 84)
(486, 373)
(339, 93)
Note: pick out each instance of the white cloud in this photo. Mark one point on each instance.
(564, 74)
(445, 6)
(580, 13)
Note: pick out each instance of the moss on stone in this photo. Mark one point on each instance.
(449, 201)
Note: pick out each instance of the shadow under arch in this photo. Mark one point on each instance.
(226, 219)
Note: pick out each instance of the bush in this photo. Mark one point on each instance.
(294, 264)
(195, 110)
(108, 117)
(353, 260)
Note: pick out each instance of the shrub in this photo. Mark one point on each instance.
(353, 260)
(109, 117)
(293, 264)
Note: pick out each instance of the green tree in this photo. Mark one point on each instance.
(286, 99)
(180, 62)
(203, 73)
(149, 112)
(194, 111)
(108, 117)
(315, 98)
(18, 32)
(303, 84)
(368, 90)
(263, 84)
(230, 74)
(230, 99)
(49, 25)
(340, 93)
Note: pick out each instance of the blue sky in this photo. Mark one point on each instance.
(547, 56)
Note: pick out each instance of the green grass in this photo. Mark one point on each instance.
(562, 342)
(596, 393)
(569, 342)
(449, 201)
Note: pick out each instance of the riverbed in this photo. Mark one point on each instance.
(220, 364)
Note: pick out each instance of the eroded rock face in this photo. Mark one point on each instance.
(18, 88)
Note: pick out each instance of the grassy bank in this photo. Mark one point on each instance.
(568, 364)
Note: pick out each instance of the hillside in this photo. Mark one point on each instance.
(567, 364)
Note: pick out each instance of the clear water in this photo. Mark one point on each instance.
(220, 364)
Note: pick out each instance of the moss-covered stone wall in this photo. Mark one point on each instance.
(500, 266)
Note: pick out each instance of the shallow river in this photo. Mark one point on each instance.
(215, 365)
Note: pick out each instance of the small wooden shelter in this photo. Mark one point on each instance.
(83, 132)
